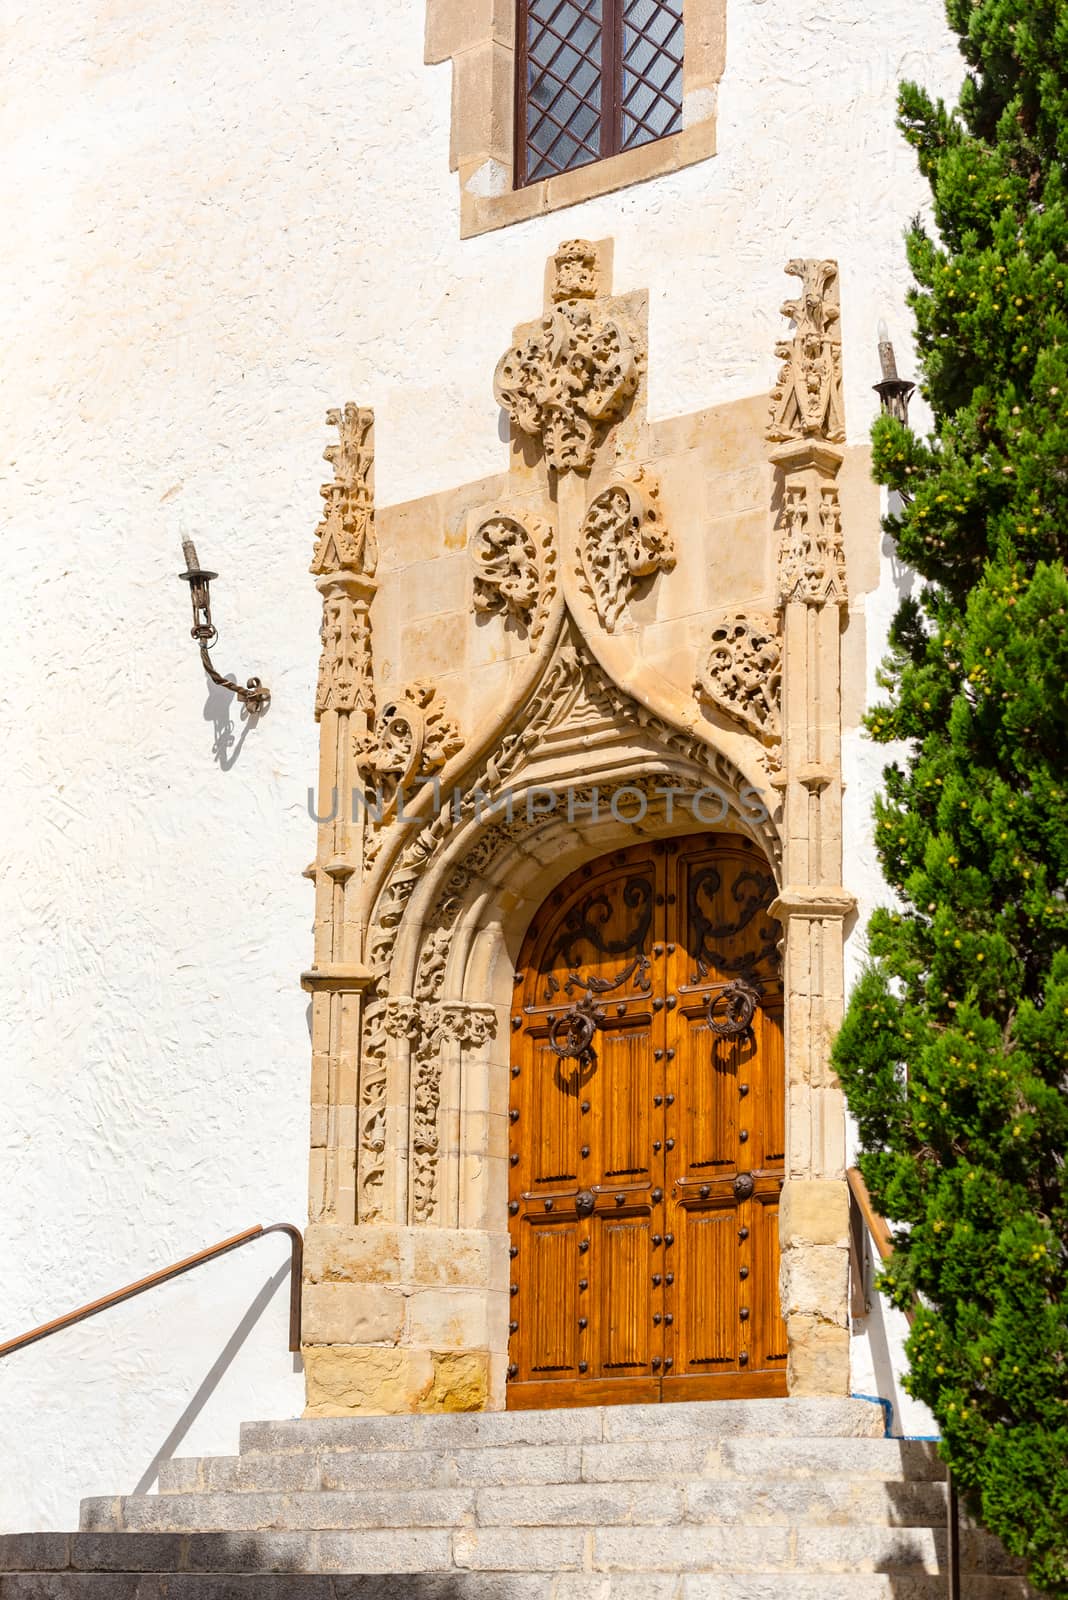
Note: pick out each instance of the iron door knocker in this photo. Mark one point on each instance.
(571, 1033)
(738, 1001)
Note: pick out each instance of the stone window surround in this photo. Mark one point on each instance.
(479, 38)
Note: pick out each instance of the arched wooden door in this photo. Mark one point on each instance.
(646, 1147)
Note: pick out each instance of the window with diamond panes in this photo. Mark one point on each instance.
(595, 77)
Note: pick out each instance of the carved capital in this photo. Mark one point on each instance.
(622, 540)
(811, 563)
(514, 562)
(741, 675)
(807, 399)
(812, 904)
(566, 382)
(469, 1025)
(404, 1018)
(346, 673)
(345, 538)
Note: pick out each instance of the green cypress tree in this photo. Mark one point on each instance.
(954, 1050)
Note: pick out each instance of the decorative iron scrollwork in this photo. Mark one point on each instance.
(571, 1033)
(738, 1001)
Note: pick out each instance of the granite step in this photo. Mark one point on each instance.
(711, 1502)
(648, 1554)
(72, 1584)
(612, 1547)
(754, 1500)
(725, 1419)
(478, 1466)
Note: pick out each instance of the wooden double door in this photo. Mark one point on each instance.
(647, 1132)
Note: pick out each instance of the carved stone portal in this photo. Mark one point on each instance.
(581, 733)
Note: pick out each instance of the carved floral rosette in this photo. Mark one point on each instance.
(807, 399)
(568, 381)
(741, 675)
(514, 561)
(622, 541)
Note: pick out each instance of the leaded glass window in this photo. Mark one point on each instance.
(595, 77)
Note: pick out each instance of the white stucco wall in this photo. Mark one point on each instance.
(222, 218)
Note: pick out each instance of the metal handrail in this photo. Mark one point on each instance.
(258, 1232)
(879, 1229)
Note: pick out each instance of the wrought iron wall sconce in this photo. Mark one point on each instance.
(894, 392)
(255, 696)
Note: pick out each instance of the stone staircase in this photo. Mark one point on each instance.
(737, 1500)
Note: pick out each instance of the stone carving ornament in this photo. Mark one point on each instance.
(811, 555)
(413, 739)
(623, 540)
(344, 561)
(574, 376)
(515, 568)
(807, 399)
(345, 538)
(432, 1027)
(742, 673)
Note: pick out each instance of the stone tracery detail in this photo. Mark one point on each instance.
(807, 399)
(515, 568)
(346, 535)
(344, 563)
(372, 1115)
(345, 680)
(431, 1026)
(573, 685)
(623, 540)
(741, 674)
(811, 556)
(575, 375)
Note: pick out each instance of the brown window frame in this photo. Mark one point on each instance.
(611, 113)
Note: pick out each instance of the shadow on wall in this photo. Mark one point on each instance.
(218, 710)
(214, 1376)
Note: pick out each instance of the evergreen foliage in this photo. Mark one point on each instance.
(954, 1050)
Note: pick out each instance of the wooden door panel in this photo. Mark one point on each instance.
(641, 1269)
(623, 1103)
(624, 1327)
(552, 1116)
(707, 1097)
(707, 1282)
(549, 1297)
(769, 1328)
(769, 1090)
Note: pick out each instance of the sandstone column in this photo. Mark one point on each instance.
(807, 433)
